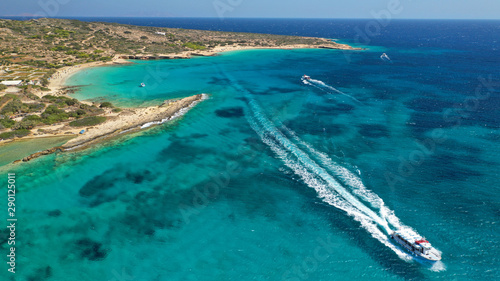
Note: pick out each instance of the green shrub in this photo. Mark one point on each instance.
(2, 87)
(60, 48)
(82, 55)
(61, 101)
(194, 46)
(80, 112)
(117, 109)
(106, 104)
(52, 115)
(70, 102)
(14, 106)
(106, 58)
(49, 98)
(52, 109)
(34, 107)
(7, 123)
(32, 96)
(16, 133)
(27, 124)
(91, 109)
(54, 118)
(32, 118)
(88, 121)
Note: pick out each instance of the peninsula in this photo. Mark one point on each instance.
(36, 57)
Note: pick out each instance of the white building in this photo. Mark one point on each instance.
(12, 83)
(160, 33)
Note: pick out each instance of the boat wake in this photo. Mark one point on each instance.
(334, 184)
(326, 88)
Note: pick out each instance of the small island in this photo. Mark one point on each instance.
(37, 56)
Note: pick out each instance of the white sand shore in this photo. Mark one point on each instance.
(57, 80)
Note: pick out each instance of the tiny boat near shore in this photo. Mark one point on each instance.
(416, 244)
(143, 85)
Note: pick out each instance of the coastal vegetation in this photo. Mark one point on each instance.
(88, 121)
(19, 114)
(55, 43)
(12, 134)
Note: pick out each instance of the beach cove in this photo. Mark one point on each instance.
(120, 122)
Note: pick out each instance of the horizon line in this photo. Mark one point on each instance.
(190, 17)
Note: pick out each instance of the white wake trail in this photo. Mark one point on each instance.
(305, 160)
(322, 85)
(325, 192)
(349, 179)
(315, 176)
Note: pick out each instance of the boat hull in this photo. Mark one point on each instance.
(406, 246)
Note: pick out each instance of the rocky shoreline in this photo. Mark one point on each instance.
(133, 121)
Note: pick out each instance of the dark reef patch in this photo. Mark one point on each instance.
(218, 81)
(4, 235)
(273, 91)
(90, 250)
(55, 213)
(112, 183)
(40, 274)
(138, 177)
(100, 183)
(198, 136)
(373, 130)
(179, 151)
(230, 112)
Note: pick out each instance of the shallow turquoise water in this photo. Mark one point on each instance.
(250, 184)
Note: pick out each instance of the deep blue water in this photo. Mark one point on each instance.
(275, 179)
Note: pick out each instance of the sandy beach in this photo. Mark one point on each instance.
(57, 80)
(221, 49)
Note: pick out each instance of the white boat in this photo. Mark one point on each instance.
(384, 56)
(143, 85)
(416, 244)
(305, 77)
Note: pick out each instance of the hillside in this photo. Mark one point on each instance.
(54, 43)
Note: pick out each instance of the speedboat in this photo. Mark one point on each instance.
(416, 244)
(305, 77)
(143, 85)
(384, 56)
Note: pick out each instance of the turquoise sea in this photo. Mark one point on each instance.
(276, 179)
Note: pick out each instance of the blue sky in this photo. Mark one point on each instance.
(436, 9)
